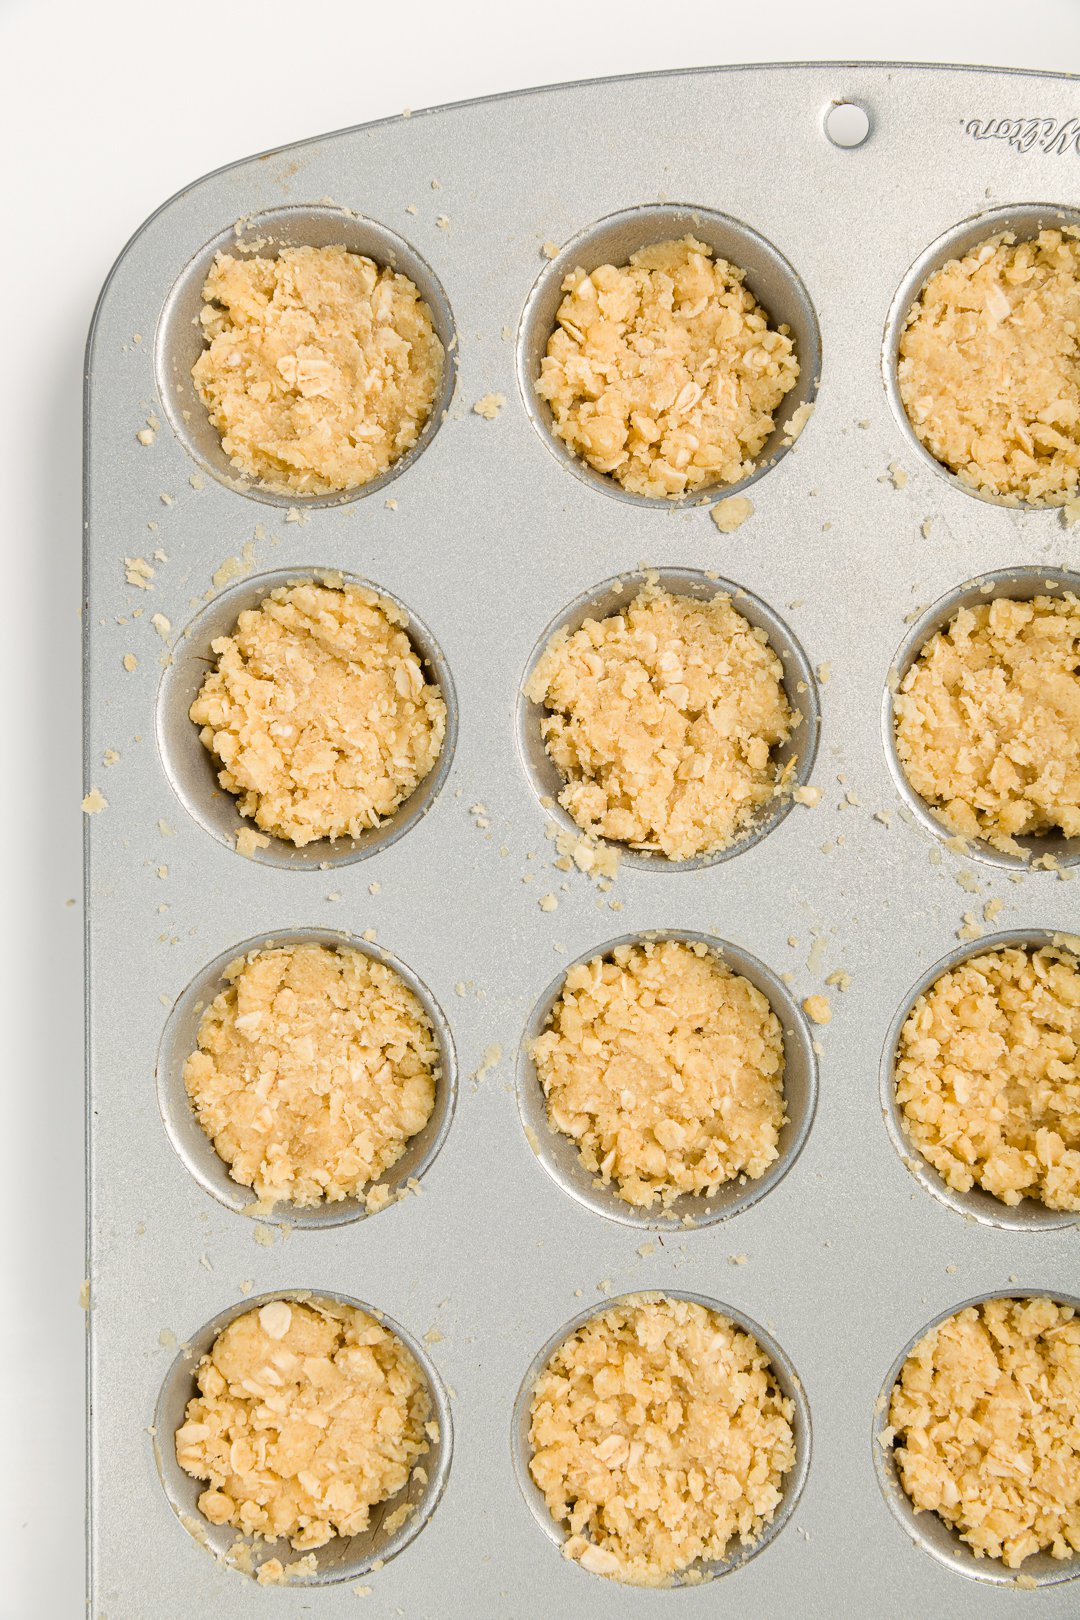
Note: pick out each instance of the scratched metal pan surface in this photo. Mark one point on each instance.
(494, 537)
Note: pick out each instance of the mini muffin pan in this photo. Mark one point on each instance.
(489, 536)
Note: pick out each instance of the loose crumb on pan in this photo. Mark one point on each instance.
(665, 372)
(795, 424)
(248, 841)
(987, 720)
(315, 1067)
(988, 1075)
(659, 1437)
(817, 1008)
(235, 567)
(988, 367)
(272, 1572)
(138, 572)
(322, 366)
(307, 1416)
(592, 856)
(665, 1069)
(983, 1420)
(489, 406)
(319, 712)
(663, 719)
(732, 513)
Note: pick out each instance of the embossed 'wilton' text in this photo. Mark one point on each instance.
(1027, 134)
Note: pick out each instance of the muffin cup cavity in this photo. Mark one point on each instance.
(799, 683)
(179, 341)
(343, 1558)
(561, 1159)
(769, 277)
(193, 771)
(1021, 220)
(926, 1529)
(787, 1381)
(1029, 1215)
(195, 1149)
(1015, 584)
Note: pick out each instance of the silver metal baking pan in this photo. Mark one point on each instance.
(488, 535)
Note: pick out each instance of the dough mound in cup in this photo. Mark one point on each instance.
(663, 719)
(988, 367)
(987, 721)
(308, 1415)
(988, 1075)
(321, 367)
(315, 1067)
(319, 714)
(983, 1421)
(666, 1070)
(664, 372)
(659, 1438)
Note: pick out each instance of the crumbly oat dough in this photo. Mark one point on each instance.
(988, 1075)
(322, 367)
(315, 1066)
(989, 370)
(988, 720)
(659, 1436)
(319, 712)
(986, 1422)
(662, 719)
(664, 372)
(665, 1069)
(307, 1416)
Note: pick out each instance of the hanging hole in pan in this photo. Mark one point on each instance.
(847, 124)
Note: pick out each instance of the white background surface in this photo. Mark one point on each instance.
(107, 109)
